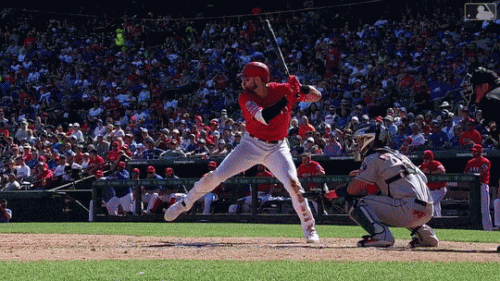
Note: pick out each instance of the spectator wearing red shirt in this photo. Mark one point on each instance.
(470, 136)
(114, 154)
(333, 57)
(3, 129)
(200, 125)
(79, 154)
(481, 165)
(44, 176)
(305, 127)
(438, 189)
(96, 162)
(27, 152)
(406, 80)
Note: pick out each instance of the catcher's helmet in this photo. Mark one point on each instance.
(368, 137)
(256, 69)
(479, 76)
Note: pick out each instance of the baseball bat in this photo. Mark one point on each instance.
(270, 32)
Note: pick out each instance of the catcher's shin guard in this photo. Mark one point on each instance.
(359, 213)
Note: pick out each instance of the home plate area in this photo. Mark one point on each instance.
(92, 247)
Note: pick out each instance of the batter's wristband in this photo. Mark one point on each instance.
(305, 89)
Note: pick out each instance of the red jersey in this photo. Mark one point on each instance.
(312, 168)
(79, 158)
(304, 128)
(251, 103)
(5, 132)
(473, 135)
(97, 161)
(264, 187)
(432, 166)
(480, 165)
(113, 155)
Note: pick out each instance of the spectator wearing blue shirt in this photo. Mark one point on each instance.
(438, 139)
(397, 140)
(333, 147)
(151, 151)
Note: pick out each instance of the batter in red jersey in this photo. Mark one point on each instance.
(266, 107)
(481, 165)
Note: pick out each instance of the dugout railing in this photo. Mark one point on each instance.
(463, 194)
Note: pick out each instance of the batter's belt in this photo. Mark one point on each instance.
(265, 141)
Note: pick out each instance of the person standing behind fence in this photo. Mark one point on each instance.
(481, 165)
(5, 214)
(438, 189)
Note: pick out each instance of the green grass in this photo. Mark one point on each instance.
(239, 270)
(231, 230)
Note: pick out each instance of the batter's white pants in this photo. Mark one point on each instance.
(437, 196)
(250, 152)
(485, 207)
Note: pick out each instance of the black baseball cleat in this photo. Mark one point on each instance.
(369, 241)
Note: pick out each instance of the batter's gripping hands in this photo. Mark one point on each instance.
(294, 85)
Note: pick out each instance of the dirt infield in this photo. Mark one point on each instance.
(30, 247)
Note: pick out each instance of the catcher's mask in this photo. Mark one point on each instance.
(368, 137)
(478, 77)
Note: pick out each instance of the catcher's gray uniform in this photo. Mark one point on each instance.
(403, 200)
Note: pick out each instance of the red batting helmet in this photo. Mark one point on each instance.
(136, 170)
(256, 69)
(212, 164)
(151, 169)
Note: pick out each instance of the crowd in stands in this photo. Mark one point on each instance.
(79, 96)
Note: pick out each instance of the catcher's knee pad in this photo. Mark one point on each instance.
(361, 214)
